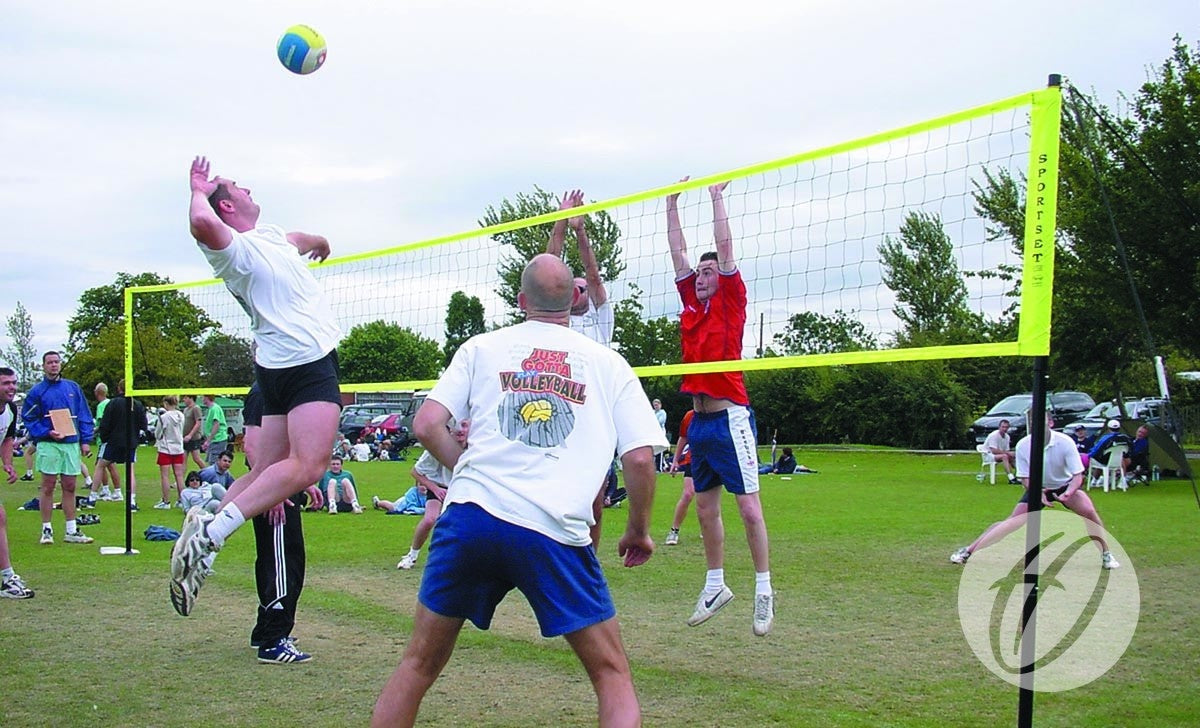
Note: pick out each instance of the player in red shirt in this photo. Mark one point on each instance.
(722, 432)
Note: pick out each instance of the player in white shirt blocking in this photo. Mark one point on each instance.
(547, 408)
(1062, 478)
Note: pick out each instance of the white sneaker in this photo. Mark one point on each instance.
(14, 588)
(162, 506)
(47, 536)
(333, 510)
(960, 556)
(1108, 561)
(764, 613)
(188, 569)
(673, 537)
(356, 508)
(708, 605)
(77, 537)
(375, 502)
(407, 562)
(116, 496)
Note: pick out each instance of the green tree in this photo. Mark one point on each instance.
(464, 319)
(226, 361)
(644, 342)
(22, 356)
(170, 312)
(920, 268)
(520, 245)
(387, 352)
(1146, 162)
(815, 333)
(160, 361)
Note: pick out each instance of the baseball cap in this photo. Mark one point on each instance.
(1113, 425)
(1080, 427)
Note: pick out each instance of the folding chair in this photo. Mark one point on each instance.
(1113, 467)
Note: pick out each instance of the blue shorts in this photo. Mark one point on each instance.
(475, 559)
(724, 450)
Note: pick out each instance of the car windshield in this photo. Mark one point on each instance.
(1014, 405)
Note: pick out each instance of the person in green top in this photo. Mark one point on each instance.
(338, 486)
(216, 431)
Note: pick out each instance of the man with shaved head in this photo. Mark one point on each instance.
(547, 406)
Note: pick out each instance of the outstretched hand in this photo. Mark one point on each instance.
(199, 177)
(574, 198)
(718, 188)
(674, 197)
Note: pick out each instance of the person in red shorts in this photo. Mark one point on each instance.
(722, 432)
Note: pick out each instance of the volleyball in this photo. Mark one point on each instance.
(301, 49)
(538, 410)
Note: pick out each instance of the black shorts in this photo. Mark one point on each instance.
(1052, 494)
(118, 454)
(286, 389)
(192, 445)
(253, 407)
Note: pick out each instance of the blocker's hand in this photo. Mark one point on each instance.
(199, 177)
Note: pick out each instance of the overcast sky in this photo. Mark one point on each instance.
(427, 111)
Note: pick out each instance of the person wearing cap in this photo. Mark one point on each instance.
(1113, 436)
(1084, 443)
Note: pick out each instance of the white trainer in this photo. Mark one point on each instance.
(673, 537)
(764, 613)
(709, 604)
(47, 536)
(77, 537)
(407, 562)
(960, 556)
(1108, 561)
(188, 568)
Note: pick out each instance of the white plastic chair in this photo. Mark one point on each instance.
(988, 459)
(1113, 469)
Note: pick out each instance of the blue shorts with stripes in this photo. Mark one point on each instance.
(724, 451)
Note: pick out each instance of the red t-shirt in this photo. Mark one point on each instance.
(712, 331)
(685, 457)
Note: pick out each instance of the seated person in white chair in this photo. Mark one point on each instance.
(998, 445)
(338, 486)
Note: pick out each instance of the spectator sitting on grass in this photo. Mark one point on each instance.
(361, 451)
(338, 486)
(785, 465)
(198, 493)
(412, 503)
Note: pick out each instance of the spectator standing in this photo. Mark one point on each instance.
(59, 455)
(193, 434)
(168, 440)
(104, 475)
(12, 586)
(216, 429)
(118, 447)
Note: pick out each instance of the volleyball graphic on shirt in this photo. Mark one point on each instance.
(535, 419)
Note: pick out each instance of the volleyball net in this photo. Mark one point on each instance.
(808, 231)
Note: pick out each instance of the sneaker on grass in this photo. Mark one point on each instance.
(77, 537)
(47, 536)
(162, 505)
(1108, 561)
(764, 613)
(960, 556)
(708, 605)
(282, 651)
(14, 588)
(407, 562)
(673, 537)
(188, 569)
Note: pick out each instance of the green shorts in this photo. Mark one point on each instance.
(58, 458)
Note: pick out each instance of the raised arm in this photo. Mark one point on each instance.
(207, 228)
(591, 269)
(724, 239)
(315, 247)
(675, 239)
(558, 234)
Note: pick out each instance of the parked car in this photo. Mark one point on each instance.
(357, 416)
(1064, 405)
(1152, 410)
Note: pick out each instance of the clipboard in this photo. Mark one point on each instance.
(62, 422)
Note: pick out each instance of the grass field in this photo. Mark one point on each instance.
(866, 630)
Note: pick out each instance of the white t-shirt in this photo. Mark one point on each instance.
(168, 432)
(597, 324)
(996, 441)
(548, 407)
(429, 466)
(361, 452)
(1061, 461)
(292, 322)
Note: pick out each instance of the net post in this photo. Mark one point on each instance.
(1038, 434)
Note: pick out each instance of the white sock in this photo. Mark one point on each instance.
(762, 583)
(414, 553)
(88, 482)
(28, 473)
(228, 520)
(714, 581)
(71, 526)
